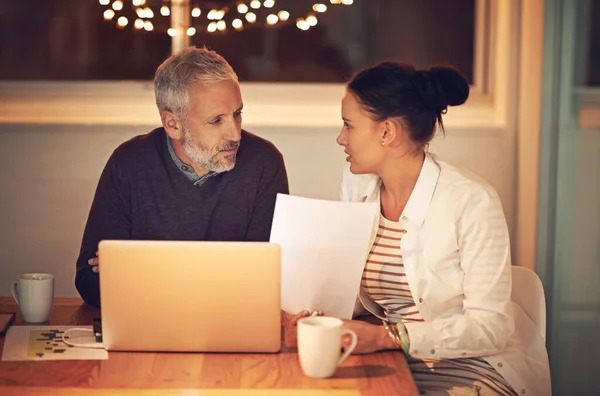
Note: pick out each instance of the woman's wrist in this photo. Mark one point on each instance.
(403, 335)
(386, 341)
(391, 337)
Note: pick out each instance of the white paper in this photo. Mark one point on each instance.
(324, 246)
(45, 343)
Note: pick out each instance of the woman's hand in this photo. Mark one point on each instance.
(370, 338)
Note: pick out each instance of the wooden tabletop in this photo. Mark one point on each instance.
(206, 374)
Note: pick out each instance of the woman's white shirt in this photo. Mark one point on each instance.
(456, 254)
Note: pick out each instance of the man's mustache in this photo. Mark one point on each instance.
(230, 145)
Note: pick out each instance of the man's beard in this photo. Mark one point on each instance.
(208, 160)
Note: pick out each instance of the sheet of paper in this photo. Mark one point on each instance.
(324, 245)
(45, 343)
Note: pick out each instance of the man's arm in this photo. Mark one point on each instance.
(273, 181)
(109, 218)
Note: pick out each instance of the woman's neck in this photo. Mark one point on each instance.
(398, 181)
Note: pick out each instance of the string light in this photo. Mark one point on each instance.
(215, 16)
(319, 7)
(219, 15)
(272, 19)
(251, 17)
(283, 15)
(302, 24)
(109, 14)
(237, 24)
(122, 21)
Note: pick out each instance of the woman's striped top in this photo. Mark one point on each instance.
(384, 279)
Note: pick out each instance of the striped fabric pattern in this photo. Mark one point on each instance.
(384, 279)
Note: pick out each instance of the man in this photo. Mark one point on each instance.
(199, 177)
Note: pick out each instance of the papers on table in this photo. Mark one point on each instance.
(324, 245)
(45, 343)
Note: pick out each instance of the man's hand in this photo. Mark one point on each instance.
(95, 262)
(370, 338)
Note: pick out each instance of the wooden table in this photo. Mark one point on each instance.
(209, 374)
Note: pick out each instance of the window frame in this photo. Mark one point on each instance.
(589, 114)
(295, 105)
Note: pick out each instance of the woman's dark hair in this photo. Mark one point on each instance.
(417, 97)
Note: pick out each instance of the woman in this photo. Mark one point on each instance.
(438, 274)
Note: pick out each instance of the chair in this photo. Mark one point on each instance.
(528, 293)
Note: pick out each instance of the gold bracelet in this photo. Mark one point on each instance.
(392, 331)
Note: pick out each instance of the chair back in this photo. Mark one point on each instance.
(528, 292)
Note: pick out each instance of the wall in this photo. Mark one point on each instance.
(49, 174)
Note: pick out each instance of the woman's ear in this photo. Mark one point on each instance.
(172, 124)
(391, 135)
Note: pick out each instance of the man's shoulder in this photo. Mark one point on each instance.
(258, 148)
(139, 148)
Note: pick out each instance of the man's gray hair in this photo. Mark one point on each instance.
(191, 65)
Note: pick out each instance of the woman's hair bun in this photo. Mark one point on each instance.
(452, 83)
(442, 86)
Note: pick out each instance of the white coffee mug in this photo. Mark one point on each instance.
(34, 293)
(320, 343)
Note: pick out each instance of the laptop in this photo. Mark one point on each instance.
(179, 296)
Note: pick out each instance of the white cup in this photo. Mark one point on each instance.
(319, 345)
(34, 293)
